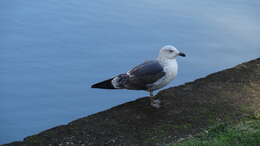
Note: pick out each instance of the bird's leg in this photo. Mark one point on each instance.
(151, 96)
(154, 102)
(151, 93)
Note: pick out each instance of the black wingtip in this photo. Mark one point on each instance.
(94, 86)
(104, 84)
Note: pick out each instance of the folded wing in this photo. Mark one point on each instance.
(144, 75)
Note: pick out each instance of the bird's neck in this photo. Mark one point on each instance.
(167, 62)
(170, 66)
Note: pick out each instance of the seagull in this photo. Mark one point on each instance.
(149, 76)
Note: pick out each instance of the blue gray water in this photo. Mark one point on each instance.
(52, 51)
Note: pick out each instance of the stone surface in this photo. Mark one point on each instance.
(225, 96)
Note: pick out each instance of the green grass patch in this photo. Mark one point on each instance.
(245, 133)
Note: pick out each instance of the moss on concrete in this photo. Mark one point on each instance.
(244, 133)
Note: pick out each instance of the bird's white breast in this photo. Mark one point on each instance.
(170, 68)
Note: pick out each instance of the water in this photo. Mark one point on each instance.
(52, 51)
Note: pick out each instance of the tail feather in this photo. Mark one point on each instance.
(107, 84)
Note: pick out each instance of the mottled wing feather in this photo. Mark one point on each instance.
(144, 74)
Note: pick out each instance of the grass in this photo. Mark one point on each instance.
(245, 133)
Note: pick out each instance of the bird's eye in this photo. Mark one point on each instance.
(171, 51)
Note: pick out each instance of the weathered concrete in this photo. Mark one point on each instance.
(220, 97)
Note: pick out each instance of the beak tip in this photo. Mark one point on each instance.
(182, 54)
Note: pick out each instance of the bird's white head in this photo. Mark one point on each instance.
(170, 52)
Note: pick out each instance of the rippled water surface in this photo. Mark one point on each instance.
(52, 51)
